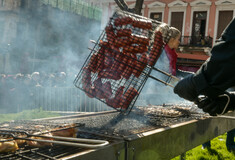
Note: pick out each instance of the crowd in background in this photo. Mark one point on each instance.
(19, 89)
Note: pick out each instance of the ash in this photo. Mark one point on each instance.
(141, 119)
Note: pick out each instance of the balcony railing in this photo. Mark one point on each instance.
(196, 41)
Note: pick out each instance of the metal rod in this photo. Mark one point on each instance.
(72, 139)
(226, 117)
(93, 142)
(161, 81)
(66, 143)
(163, 72)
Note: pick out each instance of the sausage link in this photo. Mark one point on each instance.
(115, 101)
(141, 23)
(140, 65)
(156, 50)
(137, 39)
(128, 97)
(122, 21)
(130, 66)
(109, 74)
(98, 88)
(107, 90)
(135, 49)
(124, 33)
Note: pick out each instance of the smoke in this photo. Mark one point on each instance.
(51, 42)
(158, 93)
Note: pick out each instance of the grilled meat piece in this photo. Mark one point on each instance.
(40, 144)
(8, 146)
(66, 132)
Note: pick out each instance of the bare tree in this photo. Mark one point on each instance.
(123, 6)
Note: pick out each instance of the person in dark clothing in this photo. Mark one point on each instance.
(214, 77)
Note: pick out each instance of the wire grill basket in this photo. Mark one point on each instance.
(121, 60)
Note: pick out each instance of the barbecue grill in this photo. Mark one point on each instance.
(122, 59)
(153, 132)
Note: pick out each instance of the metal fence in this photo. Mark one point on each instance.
(60, 99)
(76, 6)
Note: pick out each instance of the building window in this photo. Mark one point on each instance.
(156, 16)
(177, 19)
(199, 23)
(224, 18)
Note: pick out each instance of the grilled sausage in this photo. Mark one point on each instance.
(140, 65)
(117, 62)
(123, 41)
(135, 49)
(86, 76)
(124, 33)
(110, 35)
(98, 88)
(123, 64)
(107, 90)
(157, 49)
(109, 74)
(141, 23)
(108, 61)
(128, 97)
(115, 101)
(100, 62)
(92, 65)
(137, 39)
(129, 69)
(122, 21)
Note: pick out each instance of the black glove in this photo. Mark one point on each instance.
(186, 88)
(217, 105)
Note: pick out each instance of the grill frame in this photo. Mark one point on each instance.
(162, 142)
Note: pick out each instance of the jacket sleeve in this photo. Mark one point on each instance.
(218, 71)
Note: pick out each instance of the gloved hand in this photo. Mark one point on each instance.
(186, 88)
(218, 105)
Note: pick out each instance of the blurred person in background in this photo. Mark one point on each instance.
(36, 79)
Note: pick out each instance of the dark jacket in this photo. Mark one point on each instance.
(218, 72)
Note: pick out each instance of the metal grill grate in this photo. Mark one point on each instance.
(121, 60)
